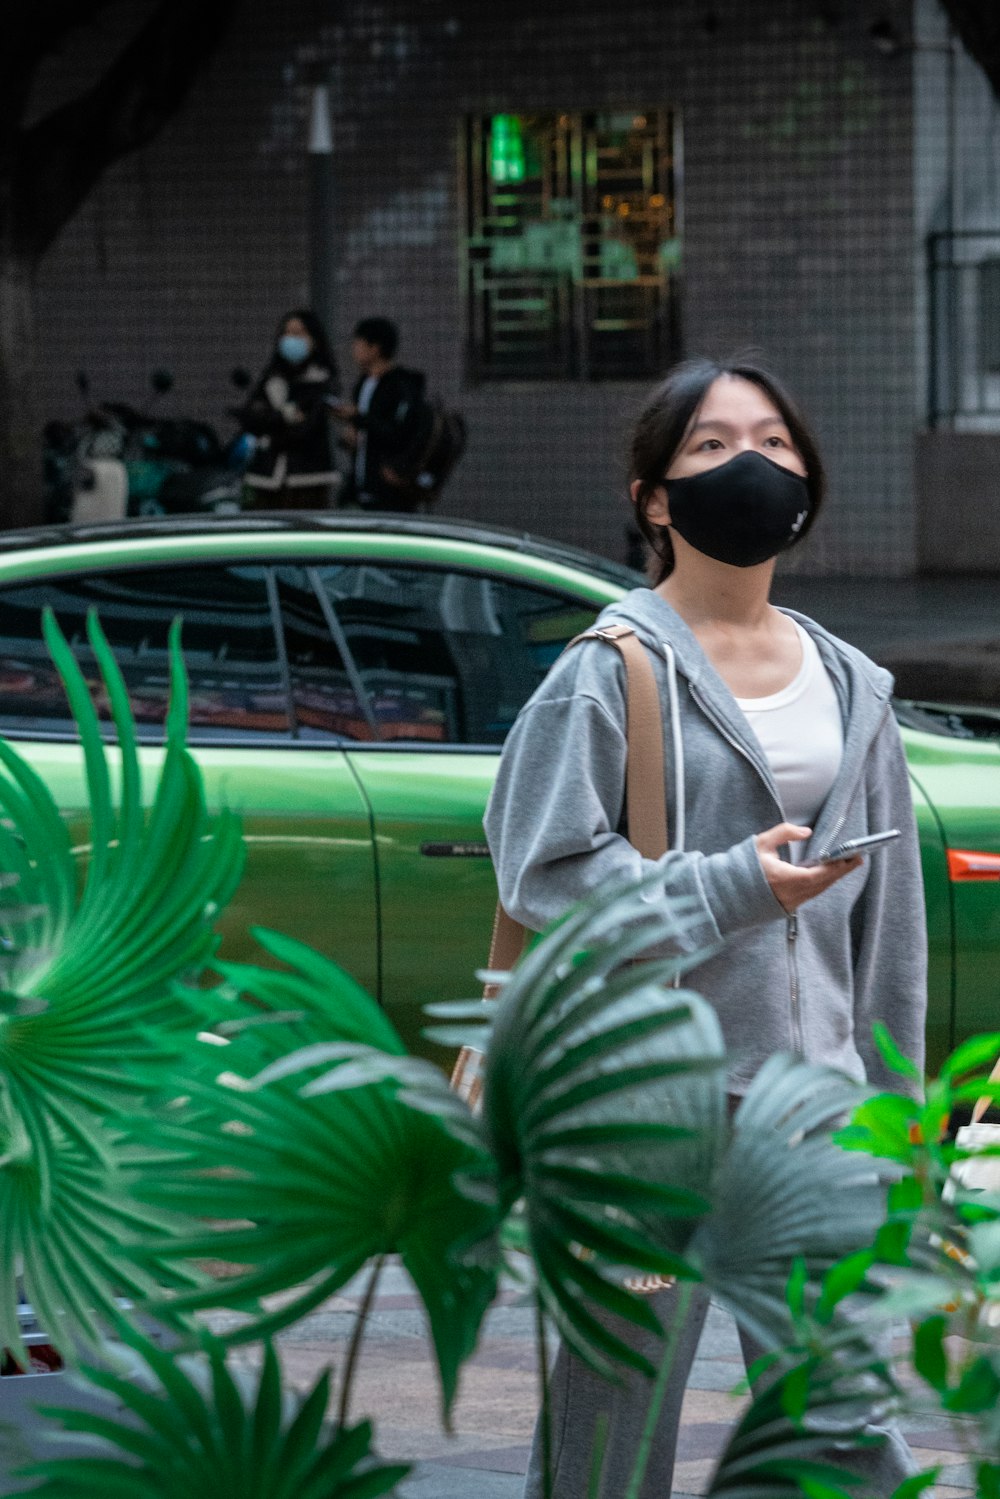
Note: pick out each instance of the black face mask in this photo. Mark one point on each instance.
(742, 512)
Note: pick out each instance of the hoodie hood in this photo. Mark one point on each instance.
(814, 981)
(655, 622)
(863, 690)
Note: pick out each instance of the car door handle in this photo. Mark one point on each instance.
(455, 850)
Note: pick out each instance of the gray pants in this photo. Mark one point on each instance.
(579, 1396)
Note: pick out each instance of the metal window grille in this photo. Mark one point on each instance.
(964, 329)
(989, 312)
(572, 245)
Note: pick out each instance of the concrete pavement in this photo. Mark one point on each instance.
(486, 1456)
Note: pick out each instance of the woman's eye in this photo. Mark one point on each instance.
(775, 441)
(709, 445)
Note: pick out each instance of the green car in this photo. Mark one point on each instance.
(352, 681)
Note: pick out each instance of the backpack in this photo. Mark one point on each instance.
(438, 443)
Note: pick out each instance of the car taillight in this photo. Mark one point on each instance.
(963, 864)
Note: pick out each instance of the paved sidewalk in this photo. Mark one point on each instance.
(487, 1455)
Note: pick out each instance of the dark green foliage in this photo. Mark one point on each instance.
(935, 1259)
(307, 1180)
(87, 1020)
(197, 1431)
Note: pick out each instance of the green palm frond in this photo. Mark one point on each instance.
(783, 1447)
(600, 1084)
(65, 1214)
(89, 1018)
(317, 988)
(772, 1191)
(102, 966)
(471, 1020)
(314, 1183)
(210, 1438)
(604, 1106)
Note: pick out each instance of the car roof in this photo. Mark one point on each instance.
(258, 523)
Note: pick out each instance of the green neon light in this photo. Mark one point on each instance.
(507, 162)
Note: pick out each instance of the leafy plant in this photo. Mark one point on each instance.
(604, 1116)
(211, 1438)
(86, 1001)
(307, 1183)
(935, 1260)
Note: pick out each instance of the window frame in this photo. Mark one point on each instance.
(575, 362)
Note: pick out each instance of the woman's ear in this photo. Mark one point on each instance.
(656, 508)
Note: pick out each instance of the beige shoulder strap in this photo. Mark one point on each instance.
(645, 780)
(982, 1104)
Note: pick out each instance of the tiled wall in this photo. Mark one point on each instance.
(798, 230)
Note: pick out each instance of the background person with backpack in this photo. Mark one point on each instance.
(402, 446)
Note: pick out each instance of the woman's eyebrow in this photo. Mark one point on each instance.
(723, 426)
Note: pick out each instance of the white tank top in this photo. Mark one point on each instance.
(801, 733)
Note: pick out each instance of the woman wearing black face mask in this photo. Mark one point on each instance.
(780, 744)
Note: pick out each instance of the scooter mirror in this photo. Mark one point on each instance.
(241, 378)
(161, 381)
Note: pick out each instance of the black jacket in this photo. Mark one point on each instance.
(392, 428)
(289, 415)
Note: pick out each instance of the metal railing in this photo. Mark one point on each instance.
(963, 308)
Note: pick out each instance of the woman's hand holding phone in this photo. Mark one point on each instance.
(794, 884)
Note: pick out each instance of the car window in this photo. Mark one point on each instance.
(230, 648)
(950, 722)
(325, 701)
(447, 657)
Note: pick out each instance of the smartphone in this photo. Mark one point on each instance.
(852, 846)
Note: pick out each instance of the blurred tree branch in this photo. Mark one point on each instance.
(49, 166)
(59, 160)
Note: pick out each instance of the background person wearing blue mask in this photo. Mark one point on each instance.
(288, 415)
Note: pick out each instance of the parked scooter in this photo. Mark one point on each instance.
(117, 461)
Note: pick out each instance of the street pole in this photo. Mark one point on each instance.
(954, 223)
(320, 170)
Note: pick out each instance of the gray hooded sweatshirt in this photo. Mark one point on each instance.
(812, 983)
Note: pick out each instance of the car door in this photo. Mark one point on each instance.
(310, 860)
(446, 658)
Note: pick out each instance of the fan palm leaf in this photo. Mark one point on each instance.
(211, 1438)
(89, 1018)
(604, 1106)
(63, 1231)
(606, 1112)
(781, 1448)
(772, 1191)
(308, 1185)
(103, 966)
(603, 1092)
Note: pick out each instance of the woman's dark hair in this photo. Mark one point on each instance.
(321, 351)
(663, 424)
(380, 332)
